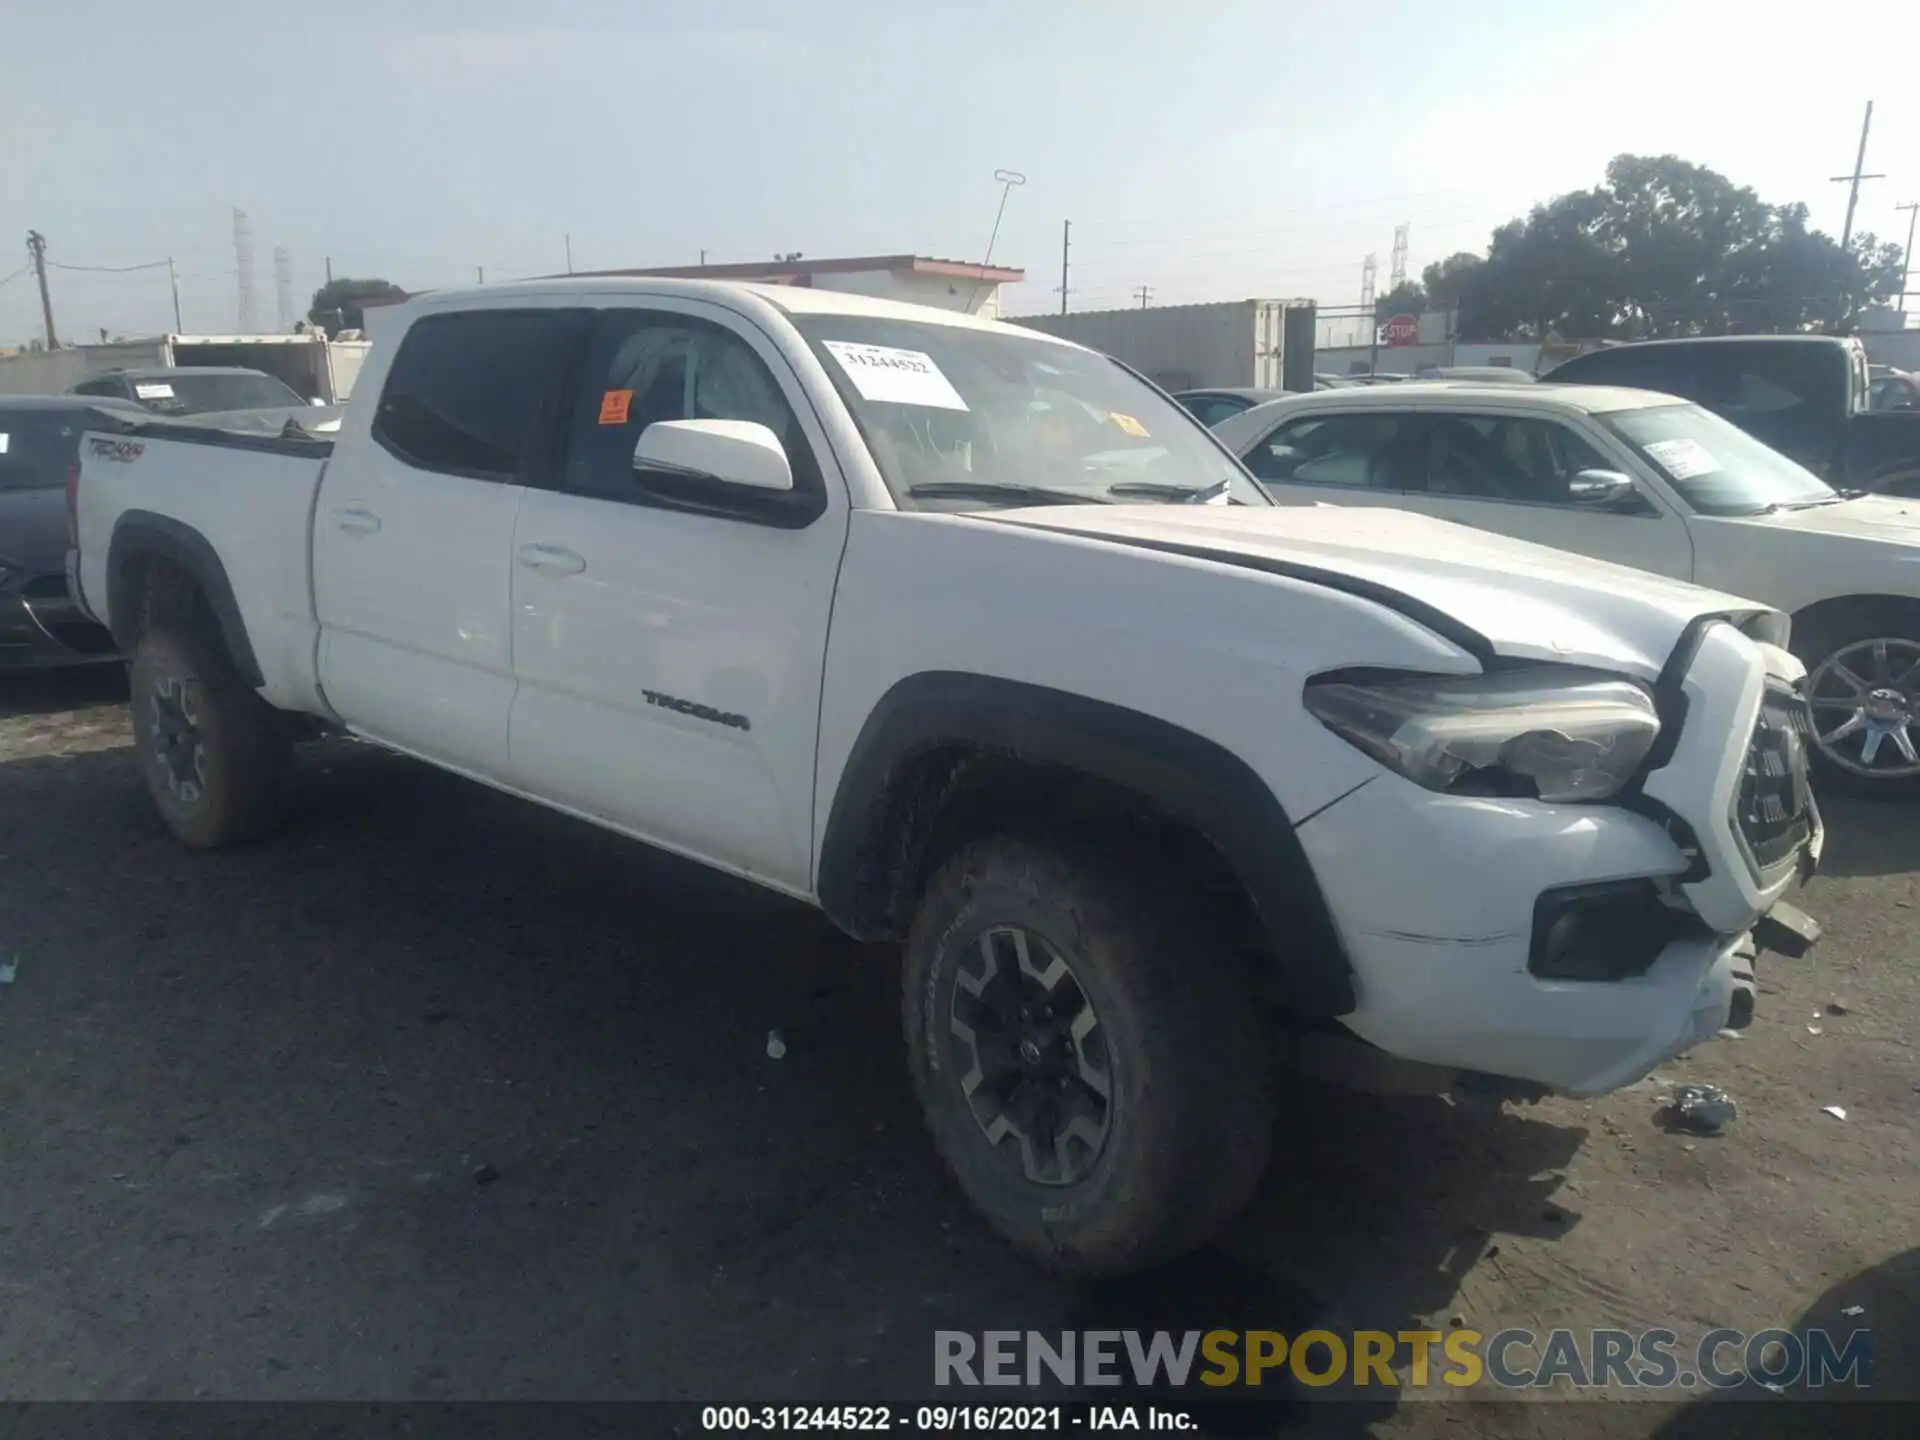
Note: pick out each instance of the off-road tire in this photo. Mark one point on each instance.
(1813, 644)
(1193, 1100)
(244, 759)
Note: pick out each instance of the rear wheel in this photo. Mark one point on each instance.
(215, 758)
(1091, 1064)
(1863, 681)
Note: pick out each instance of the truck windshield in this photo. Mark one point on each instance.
(961, 418)
(188, 394)
(1717, 468)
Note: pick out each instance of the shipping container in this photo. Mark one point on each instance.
(315, 367)
(1267, 344)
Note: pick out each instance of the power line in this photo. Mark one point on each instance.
(110, 269)
(8, 279)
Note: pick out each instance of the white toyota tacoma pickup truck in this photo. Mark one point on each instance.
(975, 640)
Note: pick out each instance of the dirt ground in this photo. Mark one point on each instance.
(439, 1095)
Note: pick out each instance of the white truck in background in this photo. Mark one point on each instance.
(1232, 344)
(315, 366)
(973, 640)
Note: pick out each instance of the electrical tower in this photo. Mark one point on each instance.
(283, 287)
(243, 261)
(1144, 294)
(1368, 269)
(1397, 269)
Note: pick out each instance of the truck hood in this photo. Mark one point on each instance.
(1511, 598)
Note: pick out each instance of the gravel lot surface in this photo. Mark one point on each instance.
(439, 1095)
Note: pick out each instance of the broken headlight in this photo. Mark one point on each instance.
(1544, 731)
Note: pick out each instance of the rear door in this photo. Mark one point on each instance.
(669, 642)
(1339, 456)
(413, 530)
(1512, 473)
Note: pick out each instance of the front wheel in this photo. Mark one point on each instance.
(1863, 681)
(1091, 1064)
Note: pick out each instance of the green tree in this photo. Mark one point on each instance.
(1662, 247)
(1409, 297)
(337, 304)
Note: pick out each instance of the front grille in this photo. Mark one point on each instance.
(1774, 807)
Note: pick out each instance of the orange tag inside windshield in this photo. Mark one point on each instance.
(1132, 426)
(614, 406)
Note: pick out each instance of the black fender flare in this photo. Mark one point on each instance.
(1189, 778)
(142, 534)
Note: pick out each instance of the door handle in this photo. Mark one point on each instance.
(356, 520)
(551, 560)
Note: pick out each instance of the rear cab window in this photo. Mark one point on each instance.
(471, 392)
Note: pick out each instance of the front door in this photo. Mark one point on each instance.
(413, 533)
(669, 640)
(1512, 474)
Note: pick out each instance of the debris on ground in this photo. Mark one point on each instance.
(776, 1046)
(1702, 1109)
(1853, 1310)
(1837, 1007)
(8, 969)
(1814, 1030)
(485, 1174)
(1839, 1112)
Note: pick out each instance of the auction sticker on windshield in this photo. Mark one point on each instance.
(1683, 459)
(154, 392)
(895, 377)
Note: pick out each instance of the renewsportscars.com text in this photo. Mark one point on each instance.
(1509, 1359)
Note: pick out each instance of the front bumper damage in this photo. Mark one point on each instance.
(1438, 897)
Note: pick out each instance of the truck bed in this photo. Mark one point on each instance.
(246, 500)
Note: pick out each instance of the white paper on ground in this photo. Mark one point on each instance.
(895, 377)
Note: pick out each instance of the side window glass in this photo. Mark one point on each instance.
(648, 366)
(35, 450)
(1210, 411)
(1511, 458)
(1362, 451)
(468, 392)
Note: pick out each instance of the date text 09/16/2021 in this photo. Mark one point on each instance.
(1063, 1419)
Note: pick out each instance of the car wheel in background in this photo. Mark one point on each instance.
(1863, 681)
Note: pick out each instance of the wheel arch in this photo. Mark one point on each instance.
(931, 738)
(1813, 622)
(141, 537)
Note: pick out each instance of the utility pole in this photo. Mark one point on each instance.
(1066, 236)
(1912, 207)
(480, 273)
(703, 257)
(1852, 182)
(1145, 292)
(173, 279)
(37, 252)
(329, 269)
(569, 240)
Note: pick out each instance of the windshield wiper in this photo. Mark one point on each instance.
(999, 490)
(1778, 505)
(1160, 490)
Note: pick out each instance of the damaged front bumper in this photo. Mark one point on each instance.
(1445, 902)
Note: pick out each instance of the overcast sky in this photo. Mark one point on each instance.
(1212, 150)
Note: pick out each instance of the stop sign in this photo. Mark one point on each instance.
(1400, 330)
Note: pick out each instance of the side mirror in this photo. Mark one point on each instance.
(1601, 489)
(731, 452)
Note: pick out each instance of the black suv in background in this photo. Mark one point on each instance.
(1808, 396)
(39, 450)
